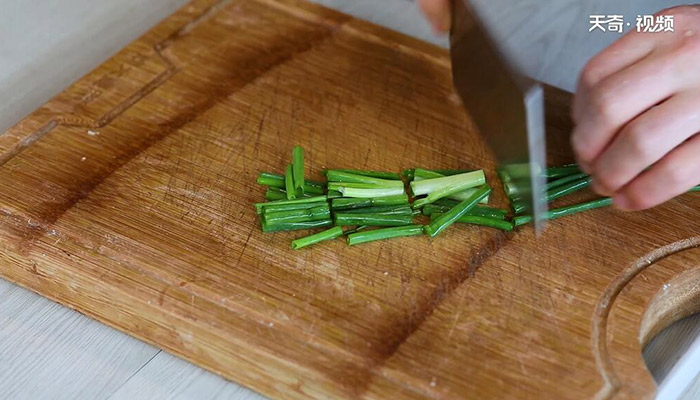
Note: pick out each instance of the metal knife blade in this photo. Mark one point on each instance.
(507, 108)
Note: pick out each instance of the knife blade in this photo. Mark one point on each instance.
(507, 107)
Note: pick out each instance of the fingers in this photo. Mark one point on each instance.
(625, 52)
(674, 175)
(617, 99)
(438, 13)
(645, 141)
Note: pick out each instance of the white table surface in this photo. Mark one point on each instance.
(50, 352)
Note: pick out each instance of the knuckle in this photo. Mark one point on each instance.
(603, 107)
(590, 75)
(638, 139)
(639, 201)
(676, 176)
(607, 182)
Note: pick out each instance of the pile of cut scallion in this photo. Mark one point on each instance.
(366, 206)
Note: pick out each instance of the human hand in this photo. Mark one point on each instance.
(438, 13)
(637, 115)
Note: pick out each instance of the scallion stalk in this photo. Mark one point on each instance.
(373, 174)
(386, 210)
(298, 169)
(479, 211)
(295, 226)
(469, 180)
(445, 220)
(277, 181)
(563, 181)
(482, 221)
(329, 234)
(564, 211)
(370, 193)
(560, 172)
(386, 233)
(260, 207)
(445, 191)
(289, 183)
(568, 188)
(273, 193)
(303, 215)
(343, 219)
(346, 177)
(352, 203)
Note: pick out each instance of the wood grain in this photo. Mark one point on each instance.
(128, 197)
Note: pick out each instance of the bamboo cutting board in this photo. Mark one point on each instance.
(129, 198)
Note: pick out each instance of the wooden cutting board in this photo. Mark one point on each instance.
(129, 198)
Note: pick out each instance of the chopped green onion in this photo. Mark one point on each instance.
(370, 193)
(421, 174)
(450, 172)
(479, 211)
(298, 169)
(564, 211)
(445, 220)
(467, 180)
(304, 215)
(445, 191)
(346, 177)
(568, 188)
(329, 234)
(259, 207)
(332, 194)
(343, 219)
(562, 181)
(289, 183)
(295, 226)
(386, 210)
(373, 174)
(482, 221)
(346, 204)
(560, 172)
(273, 193)
(357, 229)
(386, 233)
(408, 174)
(277, 181)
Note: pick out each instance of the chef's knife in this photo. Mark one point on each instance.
(506, 107)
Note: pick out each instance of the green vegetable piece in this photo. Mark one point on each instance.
(289, 183)
(385, 233)
(568, 189)
(385, 210)
(445, 220)
(343, 219)
(329, 234)
(564, 211)
(373, 174)
(468, 180)
(560, 172)
(288, 204)
(352, 203)
(298, 169)
(482, 221)
(303, 215)
(562, 181)
(347, 177)
(277, 181)
(295, 226)
(273, 193)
